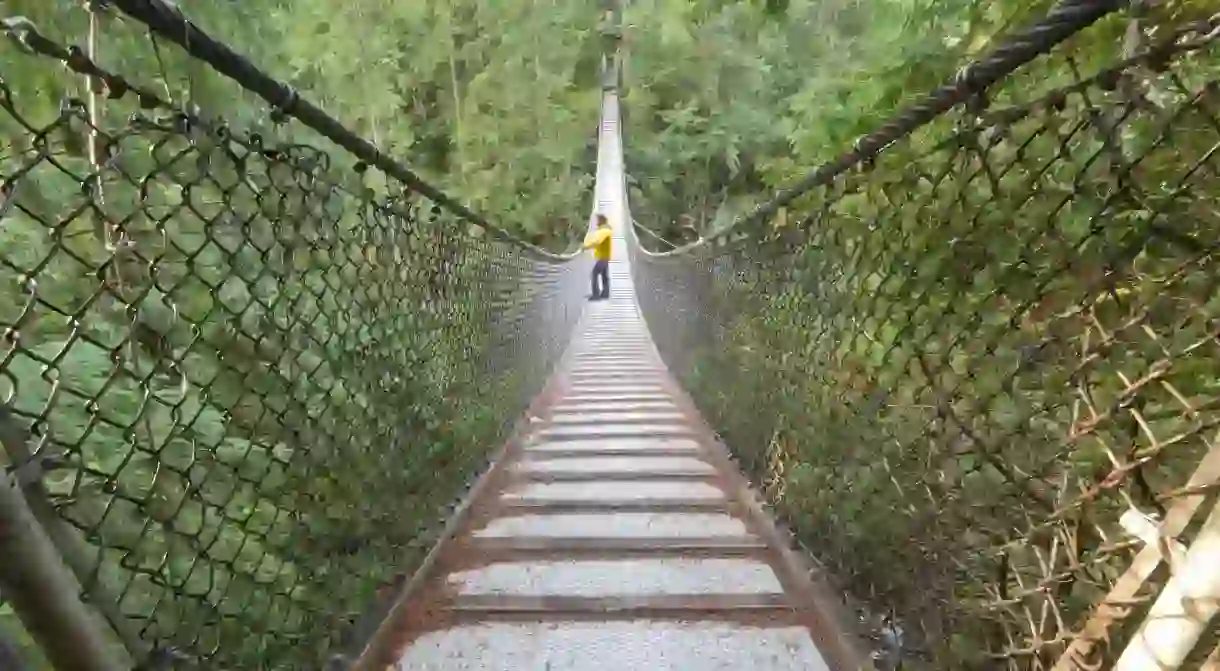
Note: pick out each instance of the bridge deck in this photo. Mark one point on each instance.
(617, 535)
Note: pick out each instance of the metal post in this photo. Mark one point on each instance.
(43, 591)
(77, 554)
(1182, 612)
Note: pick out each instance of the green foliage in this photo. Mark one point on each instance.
(256, 377)
(979, 351)
(816, 74)
(244, 366)
(727, 101)
(499, 118)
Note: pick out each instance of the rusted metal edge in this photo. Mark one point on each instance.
(761, 617)
(613, 341)
(595, 386)
(550, 507)
(569, 436)
(620, 352)
(635, 441)
(619, 384)
(669, 606)
(619, 371)
(618, 363)
(568, 453)
(613, 397)
(566, 419)
(602, 408)
(385, 642)
(825, 618)
(614, 546)
(612, 406)
(622, 345)
(616, 476)
(602, 382)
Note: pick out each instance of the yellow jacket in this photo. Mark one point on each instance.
(599, 241)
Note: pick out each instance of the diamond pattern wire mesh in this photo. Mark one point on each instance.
(251, 387)
(978, 352)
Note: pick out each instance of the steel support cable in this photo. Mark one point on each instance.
(168, 22)
(1064, 20)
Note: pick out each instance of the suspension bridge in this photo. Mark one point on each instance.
(272, 400)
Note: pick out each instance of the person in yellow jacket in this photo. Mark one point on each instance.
(599, 241)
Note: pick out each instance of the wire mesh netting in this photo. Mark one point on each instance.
(989, 356)
(243, 377)
(243, 380)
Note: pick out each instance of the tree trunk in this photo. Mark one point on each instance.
(459, 136)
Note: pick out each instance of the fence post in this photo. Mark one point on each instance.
(42, 591)
(1182, 612)
(1111, 611)
(72, 547)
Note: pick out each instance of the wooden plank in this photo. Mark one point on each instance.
(550, 452)
(617, 476)
(1115, 607)
(645, 606)
(506, 548)
(533, 506)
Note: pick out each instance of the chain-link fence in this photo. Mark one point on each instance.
(988, 343)
(240, 387)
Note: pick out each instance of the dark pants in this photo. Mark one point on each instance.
(601, 269)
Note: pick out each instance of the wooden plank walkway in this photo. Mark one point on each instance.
(614, 533)
(618, 534)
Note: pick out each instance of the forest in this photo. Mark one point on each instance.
(498, 104)
(984, 349)
(221, 384)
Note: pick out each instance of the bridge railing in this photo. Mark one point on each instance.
(973, 362)
(243, 373)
